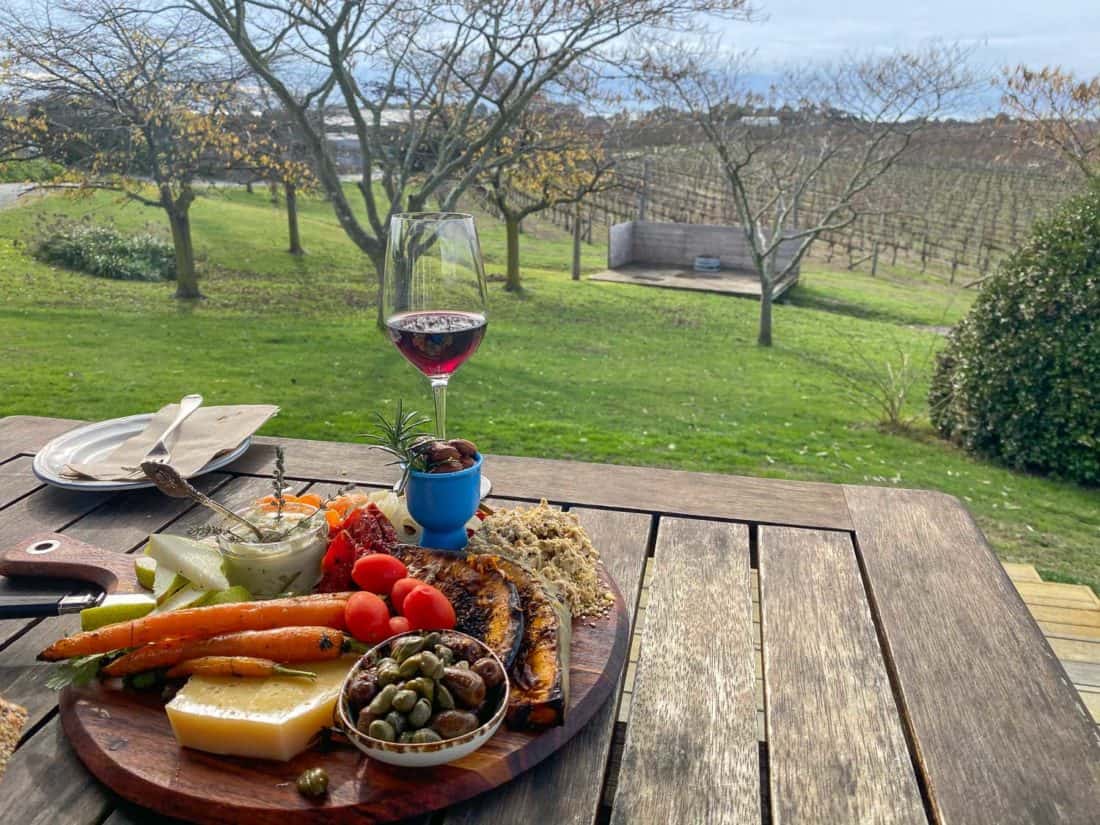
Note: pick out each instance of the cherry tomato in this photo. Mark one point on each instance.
(399, 624)
(402, 588)
(428, 609)
(367, 617)
(377, 573)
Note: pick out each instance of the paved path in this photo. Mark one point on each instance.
(9, 193)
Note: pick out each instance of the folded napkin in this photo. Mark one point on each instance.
(208, 433)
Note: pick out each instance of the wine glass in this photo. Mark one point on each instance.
(434, 296)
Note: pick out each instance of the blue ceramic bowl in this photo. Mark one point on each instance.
(442, 503)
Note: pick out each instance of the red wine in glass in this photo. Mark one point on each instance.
(434, 296)
(436, 342)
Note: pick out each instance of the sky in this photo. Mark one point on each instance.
(1001, 32)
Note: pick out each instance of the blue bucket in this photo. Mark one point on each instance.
(442, 503)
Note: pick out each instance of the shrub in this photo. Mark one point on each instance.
(35, 170)
(102, 250)
(1019, 379)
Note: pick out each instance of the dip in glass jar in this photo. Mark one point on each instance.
(288, 562)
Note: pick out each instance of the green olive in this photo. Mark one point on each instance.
(432, 639)
(420, 714)
(405, 647)
(382, 703)
(313, 782)
(462, 663)
(404, 700)
(364, 719)
(388, 673)
(405, 738)
(445, 654)
(422, 685)
(424, 736)
(443, 698)
(410, 667)
(397, 722)
(383, 730)
(430, 665)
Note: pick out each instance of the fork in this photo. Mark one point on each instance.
(159, 453)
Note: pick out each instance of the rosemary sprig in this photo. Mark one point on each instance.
(399, 438)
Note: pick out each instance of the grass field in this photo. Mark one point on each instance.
(592, 371)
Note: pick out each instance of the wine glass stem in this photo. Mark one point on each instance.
(439, 391)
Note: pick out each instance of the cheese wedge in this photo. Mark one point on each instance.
(274, 718)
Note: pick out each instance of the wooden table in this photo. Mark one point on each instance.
(811, 653)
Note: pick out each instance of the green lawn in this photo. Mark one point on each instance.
(593, 371)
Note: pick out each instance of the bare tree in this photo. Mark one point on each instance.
(459, 76)
(1057, 110)
(128, 100)
(833, 131)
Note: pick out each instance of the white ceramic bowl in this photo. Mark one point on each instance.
(427, 754)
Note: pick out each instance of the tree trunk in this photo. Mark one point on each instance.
(764, 338)
(187, 282)
(292, 219)
(767, 287)
(511, 229)
(248, 187)
(577, 241)
(378, 260)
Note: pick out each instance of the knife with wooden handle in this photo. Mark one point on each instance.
(57, 556)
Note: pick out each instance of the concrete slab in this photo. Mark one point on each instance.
(725, 282)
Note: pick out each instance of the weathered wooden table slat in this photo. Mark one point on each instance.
(695, 757)
(901, 678)
(837, 750)
(982, 691)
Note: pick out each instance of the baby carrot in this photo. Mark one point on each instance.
(311, 498)
(320, 609)
(239, 666)
(284, 644)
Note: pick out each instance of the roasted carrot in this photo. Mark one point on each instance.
(319, 609)
(240, 666)
(284, 644)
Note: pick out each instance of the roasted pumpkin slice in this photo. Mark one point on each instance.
(540, 675)
(486, 604)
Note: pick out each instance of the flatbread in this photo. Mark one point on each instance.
(12, 720)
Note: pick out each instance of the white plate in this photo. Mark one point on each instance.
(93, 441)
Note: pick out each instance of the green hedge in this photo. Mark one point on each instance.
(103, 251)
(1019, 379)
(31, 171)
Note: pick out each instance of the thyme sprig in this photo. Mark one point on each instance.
(279, 482)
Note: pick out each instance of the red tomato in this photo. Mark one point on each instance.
(377, 573)
(367, 617)
(399, 624)
(428, 609)
(402, 588)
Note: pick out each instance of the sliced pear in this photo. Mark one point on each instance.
(166, 583)
(117, 609)
(236, 593)
(145, 568)
(198, 562)
(189, 596)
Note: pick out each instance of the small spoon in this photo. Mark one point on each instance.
(171, 483)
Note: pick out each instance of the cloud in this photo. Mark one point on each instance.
(1002, 32)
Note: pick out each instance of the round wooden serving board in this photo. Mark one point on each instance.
(124, 739)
